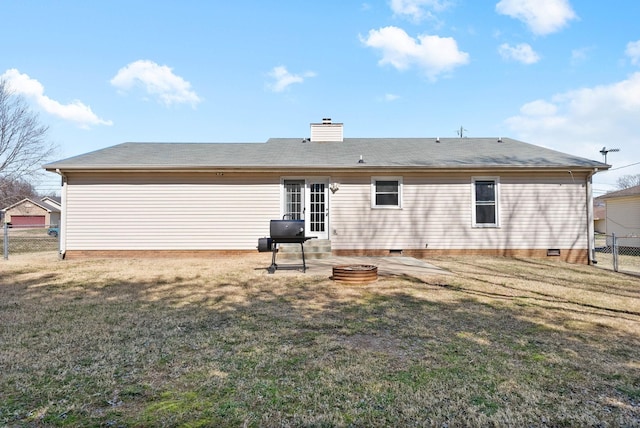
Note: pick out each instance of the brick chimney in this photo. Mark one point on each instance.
(326, 131)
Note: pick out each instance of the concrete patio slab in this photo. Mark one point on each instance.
(387, 266)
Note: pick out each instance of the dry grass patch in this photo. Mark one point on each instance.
(223, 343)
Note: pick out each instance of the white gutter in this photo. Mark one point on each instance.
(62, 233)
(591, 240)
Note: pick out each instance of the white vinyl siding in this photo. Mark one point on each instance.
(192, 211)
(326, 132)
(623, 219)
(437, 214)
(169, 211)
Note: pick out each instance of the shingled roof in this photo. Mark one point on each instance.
(419, 153)
(629, 191)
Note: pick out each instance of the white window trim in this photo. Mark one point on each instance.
(373, 192)
(495, 179)
(283, 202)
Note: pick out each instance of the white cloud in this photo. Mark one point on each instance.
(582, 121)
(387, 98)
(417, 9)
(434, 55)
(633, 52)
(539, 108)
(75, 111)
(282, 79)
(522, 53)
(541, 16)
(580, 55)
(158, 81)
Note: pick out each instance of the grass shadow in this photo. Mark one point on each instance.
(88, 344)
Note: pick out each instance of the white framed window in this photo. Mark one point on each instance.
(485, 195)
(386, 192)
(293, 199)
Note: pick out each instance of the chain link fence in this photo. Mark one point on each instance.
(29, 239)
(618, 253)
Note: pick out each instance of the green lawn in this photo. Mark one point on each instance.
(222, 343)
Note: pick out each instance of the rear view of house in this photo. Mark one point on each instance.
(365, 196)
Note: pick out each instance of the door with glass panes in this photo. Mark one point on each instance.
(308, 200)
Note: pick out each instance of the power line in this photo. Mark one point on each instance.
(620, 167)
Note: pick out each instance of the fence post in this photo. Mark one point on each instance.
(614, 251)
(6, 240)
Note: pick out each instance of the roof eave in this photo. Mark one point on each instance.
(359, 167)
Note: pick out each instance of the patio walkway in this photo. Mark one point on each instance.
(387, 266)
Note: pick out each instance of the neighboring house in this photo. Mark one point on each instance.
(623, 214)
(31, 213)
(599, 215)
(368, 196)
(54, 201)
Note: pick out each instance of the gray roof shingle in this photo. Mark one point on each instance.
(301, 153)
(629, 191)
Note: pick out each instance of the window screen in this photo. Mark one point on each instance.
(485, 202)
(386, 192)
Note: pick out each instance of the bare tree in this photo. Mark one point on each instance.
(12, 191)
(627, 181)
(23, 143)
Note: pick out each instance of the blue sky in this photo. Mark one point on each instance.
(558, 73)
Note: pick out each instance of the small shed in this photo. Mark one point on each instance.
(599, 215)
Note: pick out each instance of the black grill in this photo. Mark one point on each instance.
(287, 230)
(284, 232)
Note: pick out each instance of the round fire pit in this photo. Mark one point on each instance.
(355, 274)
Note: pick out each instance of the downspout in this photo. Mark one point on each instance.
(62, 238)
(591, 244)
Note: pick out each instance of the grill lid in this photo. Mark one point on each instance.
(286, 229)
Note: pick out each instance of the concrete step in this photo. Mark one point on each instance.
(313, 249)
